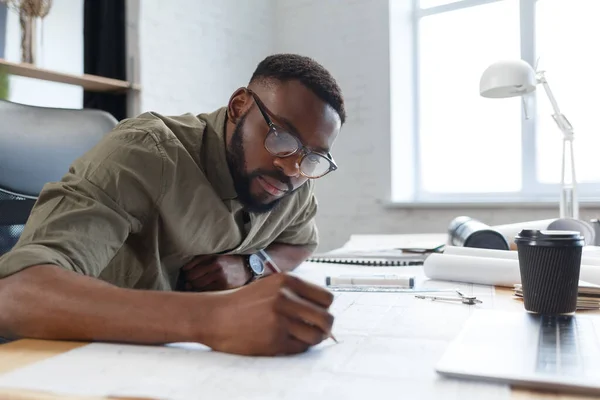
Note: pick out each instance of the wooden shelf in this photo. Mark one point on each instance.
(92, 83)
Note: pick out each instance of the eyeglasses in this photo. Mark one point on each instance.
(281, 143)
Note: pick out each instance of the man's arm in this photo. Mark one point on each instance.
(209, 273)
(281, 314)
(287, 256)
(50, 302)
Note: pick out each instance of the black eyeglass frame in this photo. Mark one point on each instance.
(300, 146)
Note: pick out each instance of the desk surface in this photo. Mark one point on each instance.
(25, 352)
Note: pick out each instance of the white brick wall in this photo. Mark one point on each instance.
(194, 53)
(350, 38)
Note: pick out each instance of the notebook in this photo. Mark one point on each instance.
(379, 258)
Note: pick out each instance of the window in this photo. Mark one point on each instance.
(568, 55)
(471, 148)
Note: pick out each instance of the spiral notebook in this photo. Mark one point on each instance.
(375, 258)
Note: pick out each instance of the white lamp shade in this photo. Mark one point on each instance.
(508, 78)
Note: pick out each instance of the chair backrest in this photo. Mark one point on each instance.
(37, 146)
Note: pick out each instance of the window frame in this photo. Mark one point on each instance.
(532, 189)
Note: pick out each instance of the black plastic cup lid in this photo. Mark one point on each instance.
(549, 237)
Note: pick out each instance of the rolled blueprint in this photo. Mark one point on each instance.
(487, 270)
(559, 224)
(511, 230)
(588, 257)
(481, 270)
(474, 252)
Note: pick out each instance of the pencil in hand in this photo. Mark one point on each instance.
(276, 270)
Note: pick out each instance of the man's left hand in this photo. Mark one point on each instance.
(210, 273)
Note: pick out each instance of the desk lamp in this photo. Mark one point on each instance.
(512, 78)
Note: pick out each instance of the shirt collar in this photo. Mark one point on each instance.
(214, 154)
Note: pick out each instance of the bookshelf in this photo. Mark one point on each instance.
(88, 82)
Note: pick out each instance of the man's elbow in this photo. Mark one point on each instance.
(20, 293)
(11, 289)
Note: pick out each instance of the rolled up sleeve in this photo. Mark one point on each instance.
(80, 222)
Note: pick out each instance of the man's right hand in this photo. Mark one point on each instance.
(279, 314)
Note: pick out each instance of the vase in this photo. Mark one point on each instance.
(28, 38)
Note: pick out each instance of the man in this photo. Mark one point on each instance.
(186, 202)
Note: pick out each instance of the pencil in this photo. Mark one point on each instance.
(276, 270)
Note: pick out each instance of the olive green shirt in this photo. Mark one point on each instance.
(154, 193)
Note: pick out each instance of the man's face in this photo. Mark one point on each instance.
(261, 180)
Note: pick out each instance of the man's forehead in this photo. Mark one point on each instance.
(293, 103)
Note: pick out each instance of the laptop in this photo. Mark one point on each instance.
(558, 353)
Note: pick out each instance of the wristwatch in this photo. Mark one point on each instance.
(256, 265)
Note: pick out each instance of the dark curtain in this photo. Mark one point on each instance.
(104, 52)
(2, 28)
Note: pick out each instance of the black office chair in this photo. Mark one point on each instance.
(37, 145)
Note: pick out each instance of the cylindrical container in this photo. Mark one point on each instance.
(549, 264)
(469, 232)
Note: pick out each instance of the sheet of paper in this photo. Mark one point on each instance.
(389, 345)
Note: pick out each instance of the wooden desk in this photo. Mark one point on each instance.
(24, 352)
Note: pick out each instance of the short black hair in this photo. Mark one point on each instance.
(288, 67)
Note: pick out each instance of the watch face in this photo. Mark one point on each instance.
(256, 264)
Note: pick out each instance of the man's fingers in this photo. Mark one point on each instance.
(197, 261)
(295, 307)
(206, 279)
(201, 270)
(309, 291)
(295, 346)
(308, 334)
(217, 284)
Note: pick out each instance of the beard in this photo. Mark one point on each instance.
(242, 180)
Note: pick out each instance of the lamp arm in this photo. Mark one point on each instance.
(569, 202)
(563, 123)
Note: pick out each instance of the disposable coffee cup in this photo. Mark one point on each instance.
(549, 263)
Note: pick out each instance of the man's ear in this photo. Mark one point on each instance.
(239, 103)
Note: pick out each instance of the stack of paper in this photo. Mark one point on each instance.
(588, 297)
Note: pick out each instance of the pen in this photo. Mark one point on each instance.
(276, 270)
(269, 262)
